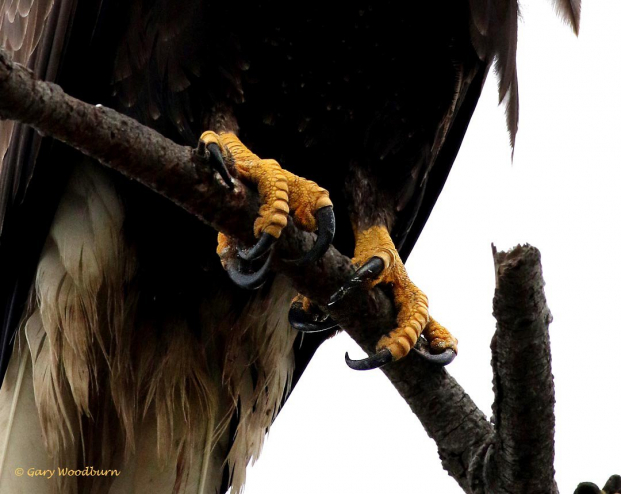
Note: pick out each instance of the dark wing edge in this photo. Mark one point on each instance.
(412, 219)
(493, 34)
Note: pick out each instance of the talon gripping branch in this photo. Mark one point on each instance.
(124, 344)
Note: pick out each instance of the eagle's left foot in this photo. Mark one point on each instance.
(281, 192)
(378, 262)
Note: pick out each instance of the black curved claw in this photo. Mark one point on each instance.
(381, 358)
(442, 359)
(308, 323)
(371, 269)
(261, 247)
(250, 281)
(326, 226)
(216, 160)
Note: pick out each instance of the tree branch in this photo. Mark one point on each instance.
(523, 383)
(450, 417)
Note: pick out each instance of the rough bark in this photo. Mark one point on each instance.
(523, 459)
(480, 459)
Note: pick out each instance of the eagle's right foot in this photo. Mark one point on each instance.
(281, 192)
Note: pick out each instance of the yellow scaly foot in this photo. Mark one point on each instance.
(281, 193)
(378, 261)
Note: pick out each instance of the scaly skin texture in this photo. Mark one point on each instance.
(306, 303)
(412, 305)
(281, 192)
(224, 249)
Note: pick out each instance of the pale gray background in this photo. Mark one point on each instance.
(348, 432)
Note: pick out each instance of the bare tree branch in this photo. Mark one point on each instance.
(523, 459)
(470, 450)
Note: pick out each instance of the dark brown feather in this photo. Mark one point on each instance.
(569, 11)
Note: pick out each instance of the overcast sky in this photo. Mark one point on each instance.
(347, 432)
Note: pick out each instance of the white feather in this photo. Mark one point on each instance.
(107, 390)
(12, 400)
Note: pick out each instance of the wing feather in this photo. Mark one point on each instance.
(168, 73)
(493, 31)
(34, 33)
(493, 34)
(569, 11)
(21, 26)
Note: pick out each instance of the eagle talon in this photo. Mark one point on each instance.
(211, 155)
(265, 243)
(307, 322)
(249, 281)
(380, 359)
(368, 271)
(423, 350)
(326, 227)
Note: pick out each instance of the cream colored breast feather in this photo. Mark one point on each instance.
(106, 386)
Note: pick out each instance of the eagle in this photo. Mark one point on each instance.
(126, 349)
